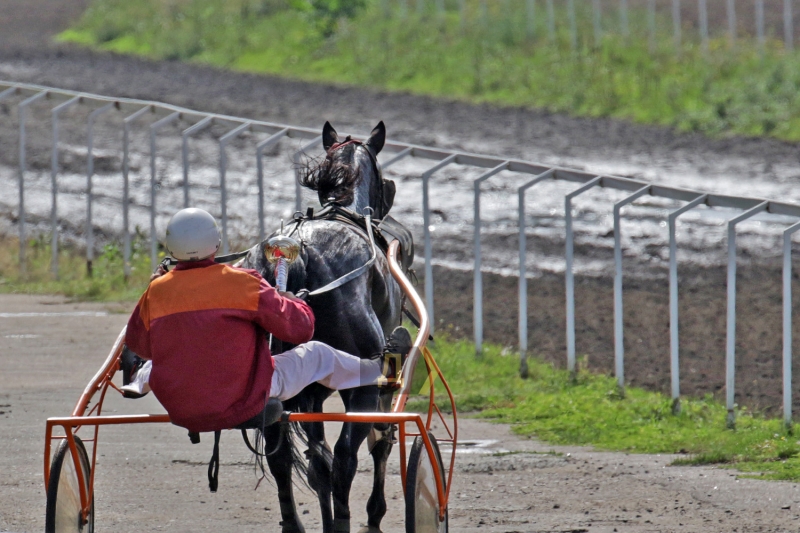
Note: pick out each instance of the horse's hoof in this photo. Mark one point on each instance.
(370, 529)
(295, 527)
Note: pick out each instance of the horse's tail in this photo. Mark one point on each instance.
(288, 440)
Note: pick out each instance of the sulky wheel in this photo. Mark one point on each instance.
(422, 499)
(63, 514)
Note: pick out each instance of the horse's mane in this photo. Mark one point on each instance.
(334, 177)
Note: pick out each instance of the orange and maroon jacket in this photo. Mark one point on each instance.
(204, 327)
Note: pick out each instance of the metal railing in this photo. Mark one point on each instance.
(161, 114)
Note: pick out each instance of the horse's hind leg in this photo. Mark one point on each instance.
(380, 448)
(320, 461)
(345, 453)
(279, 458)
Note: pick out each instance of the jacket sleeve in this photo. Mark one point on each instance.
(137, 336)
(289, 320)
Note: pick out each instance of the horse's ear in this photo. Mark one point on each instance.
(377, 138)
(329, 136)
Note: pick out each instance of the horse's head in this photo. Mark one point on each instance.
(350, 174)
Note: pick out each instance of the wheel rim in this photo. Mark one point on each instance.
(422, 497)
(64, 492)
(426, 504)
(68, 504)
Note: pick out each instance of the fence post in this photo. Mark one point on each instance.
(787, 324)
(223, 186)
(703, 13)
(573, 25)
(732, 21)
(551, 21)
(674, 345)
(426, 223)
(597, 13)
(54, 184)
(531, 12)
(570, 279)
(126, 234)
(623, 17)
(477, 285)
(676, 23)
(23, 113)
(760, 25)
(523, 281)
(788, 25)
(730, 344)
(260, 147)
(89, 173)
(619, 346)
(153, 186)
(188, 132)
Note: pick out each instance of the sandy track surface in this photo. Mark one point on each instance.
(150, 478)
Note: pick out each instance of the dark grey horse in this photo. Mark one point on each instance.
(357, 317)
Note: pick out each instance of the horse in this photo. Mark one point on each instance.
(356, 317)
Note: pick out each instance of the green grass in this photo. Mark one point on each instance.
(107, 282)
(489, 58)
(551, 406)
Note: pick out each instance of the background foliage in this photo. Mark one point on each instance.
(493, 56)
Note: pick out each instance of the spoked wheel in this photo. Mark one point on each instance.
(63, 513)
(422, 499)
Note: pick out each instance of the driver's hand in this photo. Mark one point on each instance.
(160, 271)
(288, 295)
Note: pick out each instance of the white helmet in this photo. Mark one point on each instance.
(192, 235)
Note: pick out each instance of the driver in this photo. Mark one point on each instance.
(203, 328)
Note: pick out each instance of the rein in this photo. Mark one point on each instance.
(358, 271)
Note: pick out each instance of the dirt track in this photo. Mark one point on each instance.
(150, 478)
(165, 477)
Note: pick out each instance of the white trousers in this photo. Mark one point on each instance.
(312, 362)
(316, 362)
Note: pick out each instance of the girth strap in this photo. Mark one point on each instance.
(213, 465)
(358, 271)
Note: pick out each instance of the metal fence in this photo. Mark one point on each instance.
(685, 20)
(150, 117)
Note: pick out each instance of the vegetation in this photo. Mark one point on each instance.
(553, 407)
(107, 282)
(549, 405)
(491, 56)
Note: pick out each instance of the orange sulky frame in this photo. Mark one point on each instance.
(103, 380)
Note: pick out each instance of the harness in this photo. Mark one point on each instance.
(377, 233)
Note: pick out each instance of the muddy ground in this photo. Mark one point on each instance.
(150, 478)
(46, 360)
(27, 54)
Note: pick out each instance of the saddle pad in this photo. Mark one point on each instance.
(394, 229)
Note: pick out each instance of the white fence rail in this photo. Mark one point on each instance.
(151, 116)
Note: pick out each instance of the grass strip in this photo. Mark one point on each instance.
(549, 405)
(107, 282)
(588, 410)
(493, 56)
